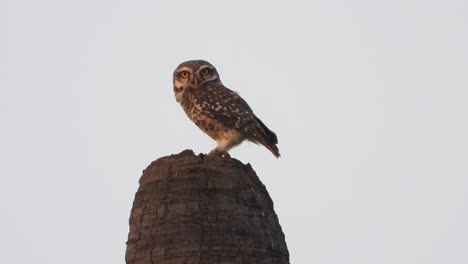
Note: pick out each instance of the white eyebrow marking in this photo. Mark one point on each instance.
(203, 67)
(184, 68)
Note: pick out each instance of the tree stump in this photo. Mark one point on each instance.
(203, 209)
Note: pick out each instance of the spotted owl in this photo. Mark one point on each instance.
(218, 111)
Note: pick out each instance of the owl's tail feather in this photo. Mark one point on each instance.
(271, 139)
(274, 149)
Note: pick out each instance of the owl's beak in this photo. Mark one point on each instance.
(195, 81)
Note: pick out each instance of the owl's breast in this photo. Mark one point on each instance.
(207, 124)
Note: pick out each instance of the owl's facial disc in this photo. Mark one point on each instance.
(192, 74)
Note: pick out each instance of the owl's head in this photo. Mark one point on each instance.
(193, 74)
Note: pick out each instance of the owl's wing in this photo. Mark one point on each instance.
(225, 106)
(232, 111)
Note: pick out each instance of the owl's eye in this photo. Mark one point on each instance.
(185, 74)
(205, 71)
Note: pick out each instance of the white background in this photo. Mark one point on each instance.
(368, 99)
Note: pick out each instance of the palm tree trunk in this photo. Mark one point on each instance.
(203, 209)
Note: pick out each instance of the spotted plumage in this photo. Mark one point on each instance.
(218, 111)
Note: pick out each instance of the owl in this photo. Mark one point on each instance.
(218, 111)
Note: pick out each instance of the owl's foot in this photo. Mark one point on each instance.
(219, 153)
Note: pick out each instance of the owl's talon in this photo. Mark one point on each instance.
(219, 153)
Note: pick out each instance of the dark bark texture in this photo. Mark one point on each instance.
(203, 209)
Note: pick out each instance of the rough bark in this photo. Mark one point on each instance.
(203, 209)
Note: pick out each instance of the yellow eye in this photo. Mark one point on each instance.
(185, 74)
(205, 71)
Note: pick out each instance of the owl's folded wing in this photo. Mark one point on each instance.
(225, 106)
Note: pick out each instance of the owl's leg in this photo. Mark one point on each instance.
(221, 149)
(224, 145)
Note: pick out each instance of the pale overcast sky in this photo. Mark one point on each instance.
(369, 100)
